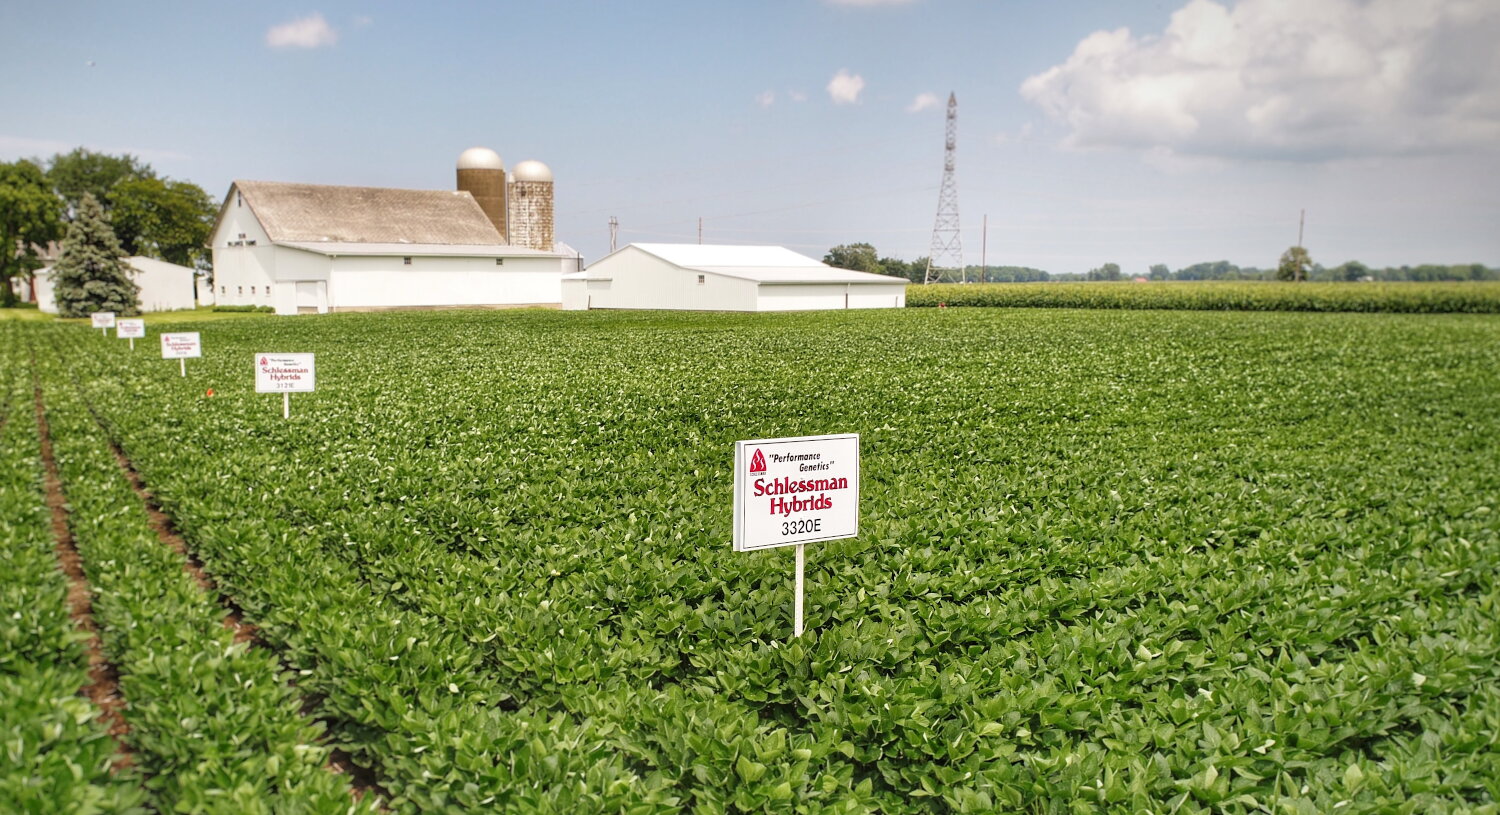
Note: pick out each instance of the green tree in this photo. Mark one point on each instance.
(913, 270)
(1160, 271)
(1109, 271)
(1351, 271)
(84, 172)
(163, 218)
(1295, 264)
(30, 217)
(91, 274)
(860, 257)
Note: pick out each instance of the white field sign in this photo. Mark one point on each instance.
(285, 374)
(181, 347)
(130, 330)
(795, 491)
(102, 320)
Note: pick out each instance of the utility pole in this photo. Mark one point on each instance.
(984, 249)
(614, 231)
(1301, 222)
(947, 247)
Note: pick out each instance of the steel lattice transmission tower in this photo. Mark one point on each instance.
(947, 247)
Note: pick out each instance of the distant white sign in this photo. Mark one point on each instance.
(130, 329)
(284, 373)
(181, 346)
(103, 319)
(796, 490)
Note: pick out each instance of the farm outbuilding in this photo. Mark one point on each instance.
(311, 248)
(696, 277)
(163, 286)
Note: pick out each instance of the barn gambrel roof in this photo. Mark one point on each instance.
(318, 213)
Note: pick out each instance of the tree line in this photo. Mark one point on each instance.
(1295, 264)
(146, 213)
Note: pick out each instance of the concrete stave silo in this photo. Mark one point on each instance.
(531, 205)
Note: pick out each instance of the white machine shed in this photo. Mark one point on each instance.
(163, 286)
(695, 277)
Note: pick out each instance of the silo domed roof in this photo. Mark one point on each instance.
(480, 158)
(531, 170)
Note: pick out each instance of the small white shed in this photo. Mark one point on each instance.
(164, 286)
(696, 277)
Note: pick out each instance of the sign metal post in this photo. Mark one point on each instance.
(797, 602)
(792, 492)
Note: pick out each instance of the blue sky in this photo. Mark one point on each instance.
(1089, 132)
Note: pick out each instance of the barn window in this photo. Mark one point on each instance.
(240, 290)
(222, 289)
(239, 199)
(249, 243)
(406, 261)
(499, 261)
(252, 291)
(700, 280)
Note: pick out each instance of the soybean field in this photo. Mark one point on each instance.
(1109, 561)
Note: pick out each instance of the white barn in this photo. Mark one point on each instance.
(163, 286)
(698, 277)
(306, 248)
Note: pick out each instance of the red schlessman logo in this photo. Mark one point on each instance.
(263, 360)
(758, 462)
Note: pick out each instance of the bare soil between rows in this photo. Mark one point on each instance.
(362, 781)
(104, 679)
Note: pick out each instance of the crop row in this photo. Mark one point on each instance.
(1421, 298)
(56, 753)
(1154, 570)
(214, 726)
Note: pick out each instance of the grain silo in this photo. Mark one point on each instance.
(531, 206)
(481, 174)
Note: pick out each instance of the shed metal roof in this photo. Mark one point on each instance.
(761, 264)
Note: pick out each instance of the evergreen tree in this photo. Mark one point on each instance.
(91, 273)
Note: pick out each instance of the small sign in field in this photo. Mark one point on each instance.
(130, 329)
(102, 320)
(181, 347)
(795, 491)
(285, 374)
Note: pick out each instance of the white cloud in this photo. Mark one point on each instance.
(797, 96)
(308, 32)
(844, 88)
(923, 102)
(363, 21)
(1287, 79)
(765, 98)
